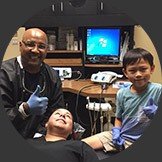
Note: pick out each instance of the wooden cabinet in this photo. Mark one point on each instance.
(64, 58)
(103, 65)
(90, 69)
(74, 59)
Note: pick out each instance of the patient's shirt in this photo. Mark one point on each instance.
(130, 110)
(65, 150)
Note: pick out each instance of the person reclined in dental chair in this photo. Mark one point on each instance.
(55, 143)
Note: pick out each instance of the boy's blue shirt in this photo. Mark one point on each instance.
(130, 110)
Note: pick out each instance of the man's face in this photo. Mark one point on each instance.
(33, 48)
(61, 120)
(139, 74)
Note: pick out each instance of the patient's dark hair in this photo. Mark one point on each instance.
(135, 55)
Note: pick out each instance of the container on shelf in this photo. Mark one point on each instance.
(70, 41)
(52, 42)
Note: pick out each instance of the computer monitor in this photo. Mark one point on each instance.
(102, 42)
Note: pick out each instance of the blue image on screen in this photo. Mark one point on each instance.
(103, 42)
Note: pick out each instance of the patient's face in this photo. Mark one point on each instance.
(61, 120)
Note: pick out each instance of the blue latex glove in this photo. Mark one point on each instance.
(116, 139)
(150, 109)
(37, 105)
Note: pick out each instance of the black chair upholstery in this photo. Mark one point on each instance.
(103, 155)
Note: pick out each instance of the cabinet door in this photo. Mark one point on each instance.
(65, 8)
(89, 7)
(59, 8)
(105, 7)
(52, 10)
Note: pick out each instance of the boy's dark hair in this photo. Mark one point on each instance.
(135, 55)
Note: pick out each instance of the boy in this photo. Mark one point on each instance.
(135, 105)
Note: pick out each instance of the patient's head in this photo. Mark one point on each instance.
(60, 123)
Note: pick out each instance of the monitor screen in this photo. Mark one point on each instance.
(103, 42)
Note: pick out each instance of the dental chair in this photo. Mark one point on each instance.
(104, 155)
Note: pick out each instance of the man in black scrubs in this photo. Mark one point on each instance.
(30, 89)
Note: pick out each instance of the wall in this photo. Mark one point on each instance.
(13, 47)
(142, 39)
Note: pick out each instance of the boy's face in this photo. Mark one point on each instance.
(139, 74)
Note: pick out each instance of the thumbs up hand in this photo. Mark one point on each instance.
(37, 105)
(37, 91)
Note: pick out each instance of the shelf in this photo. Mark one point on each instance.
(103, 65)
(64, 58)
(64, 62)
(64, 51)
